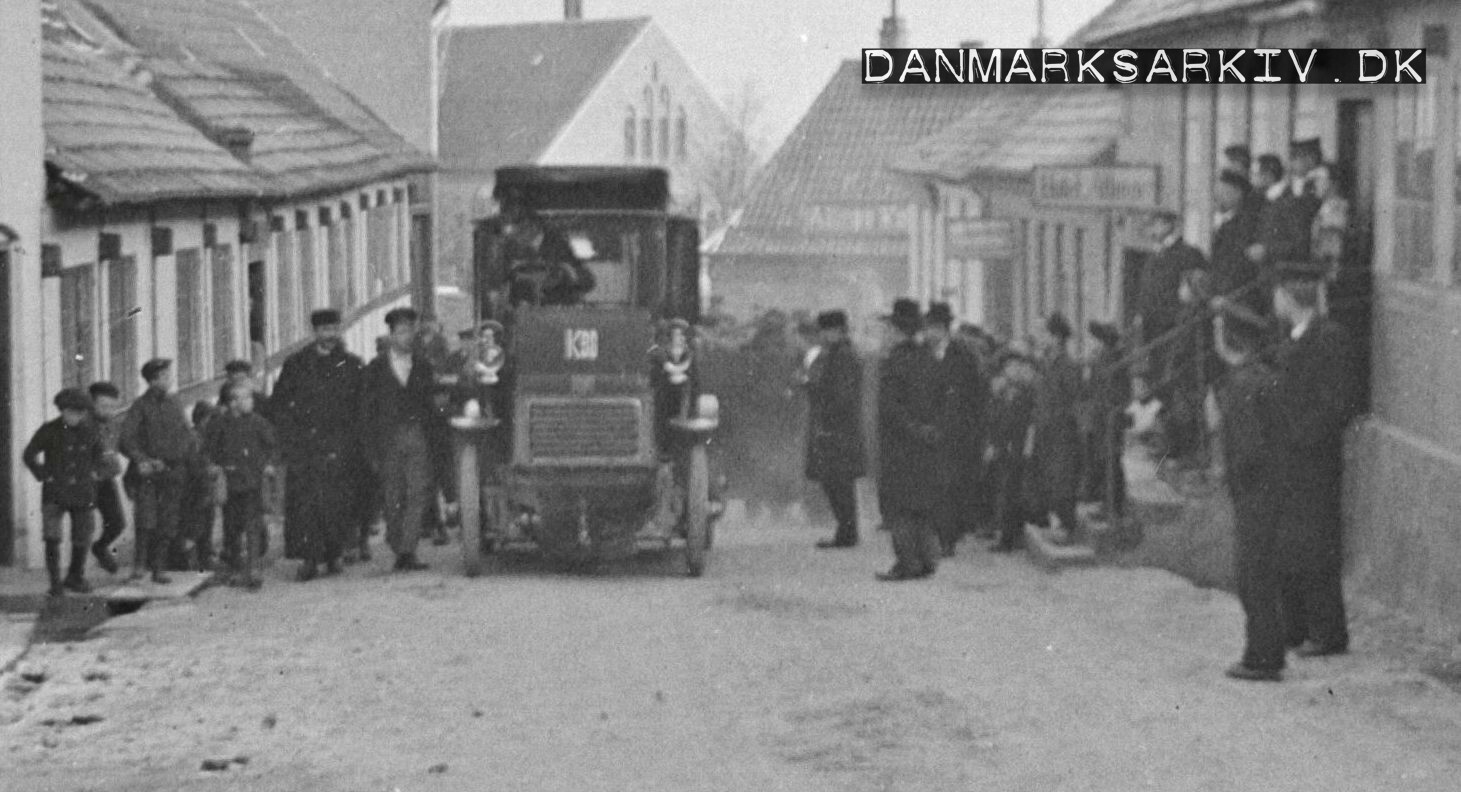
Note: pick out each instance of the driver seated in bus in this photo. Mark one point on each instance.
(543, 266)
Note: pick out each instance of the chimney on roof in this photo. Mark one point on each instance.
(971, 44)
(891, 36)
(238, 141)
(1039, 42)
(572, 9)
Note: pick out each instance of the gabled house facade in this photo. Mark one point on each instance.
(575, 92)
(207, 186)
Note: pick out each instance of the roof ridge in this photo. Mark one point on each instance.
(641, 20)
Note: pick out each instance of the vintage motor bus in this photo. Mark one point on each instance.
(581, 430)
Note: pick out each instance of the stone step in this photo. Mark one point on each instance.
(1050, 555)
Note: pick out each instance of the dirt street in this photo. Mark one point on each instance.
(784, 668)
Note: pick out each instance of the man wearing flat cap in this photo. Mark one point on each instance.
(313, 409)
(66, 455)
(1314, 400)
(909, 408)
(404, 435)
(963, 394)
(1234, 230)
(1250, 460)
(162, 449)
(836, 458)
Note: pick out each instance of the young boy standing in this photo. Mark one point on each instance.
(66, 455)
(241, 445)
(106, 414)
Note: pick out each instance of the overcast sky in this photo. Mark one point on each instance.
(789, 48)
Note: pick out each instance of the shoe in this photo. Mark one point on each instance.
(103, 556)
(307, 572)
(77, 584)
(833, 544)
(1315, 649)
(57, 589)
(1250, 674)
(160, 579)
(333, 567)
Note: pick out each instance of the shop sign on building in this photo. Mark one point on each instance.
(1097, 187)
(969, 238)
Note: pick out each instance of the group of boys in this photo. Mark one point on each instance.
(79, 456)
(361, 439)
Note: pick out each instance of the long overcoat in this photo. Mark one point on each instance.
(1057, 428)
(964, 394)
(314, 413)
(1248, 434)
(908, 411)
(1285, 227)
(835, 448)
(1161, 278)
(1231, 267)
(1314, 400)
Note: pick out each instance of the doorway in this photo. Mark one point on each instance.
(1351, 296)
(257, 314)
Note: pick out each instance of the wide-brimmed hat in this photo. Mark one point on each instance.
(939, 313)
(905, 315)
(1105, 332)
(155, 366)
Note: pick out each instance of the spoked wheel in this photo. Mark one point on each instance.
(697, 512)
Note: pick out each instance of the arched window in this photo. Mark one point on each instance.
(682, 134)
(646, 138)
(664, 138)
(630, 147)
(664, 99)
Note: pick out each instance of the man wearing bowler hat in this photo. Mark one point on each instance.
(908, 440)
(313, 408)
(835, 454)
(962, 395)
(1234, 229)
(1314, 400)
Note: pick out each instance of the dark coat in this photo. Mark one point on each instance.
(672, 401)
(835, 449)
(1250, 458)
(1160, 280)
(314, 403)
(386, 404)
(964, 394)
(243, 445)
(1314, 400)
(908, 411)
(1057, 429)
(1231, 267)
(1285, 227)
(67, 460)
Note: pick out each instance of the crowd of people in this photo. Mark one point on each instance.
(347, 443)
(983, 436)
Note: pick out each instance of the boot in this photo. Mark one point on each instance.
(76, 575)
(53, 568)
(104, 558)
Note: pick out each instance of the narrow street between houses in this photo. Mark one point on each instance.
(784, 668)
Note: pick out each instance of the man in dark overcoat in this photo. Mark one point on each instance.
(961, 425)
(313, 408)
(403, 433)
(836, 458)
(1012, 407)
(1248, 434)
(1110, 393)
(1157, 301)
(1314, 400)
(908, 439)
(1056, 429)
(1235, 229)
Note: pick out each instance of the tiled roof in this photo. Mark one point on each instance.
(838, 156)
(1025, 127)
(139, 94)
(1128, 17)
(508, 89)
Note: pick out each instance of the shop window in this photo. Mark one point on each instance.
(630, 122)
(78, 323)
(223, 306)
(192, 332)
(1414, 181)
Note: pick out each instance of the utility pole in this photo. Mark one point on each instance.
(1039, 40)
